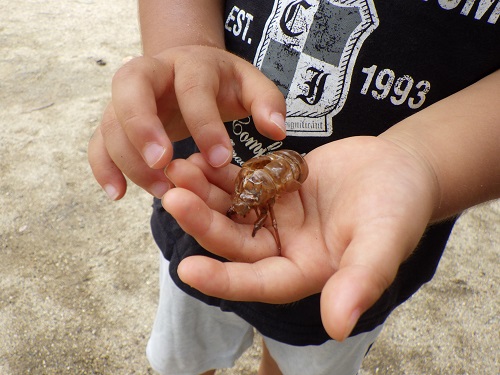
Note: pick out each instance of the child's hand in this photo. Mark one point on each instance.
(358, 216)
(184, 91)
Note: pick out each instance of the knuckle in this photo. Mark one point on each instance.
(198, 160)
(198, 126)
(109, 125)
(133, 67)
(193, 77)
(191, 84)
(130, 121)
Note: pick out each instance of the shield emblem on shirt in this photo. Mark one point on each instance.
(309, 49)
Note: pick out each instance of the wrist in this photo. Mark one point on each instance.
(169, 23)
(457, 138)
(425, 169)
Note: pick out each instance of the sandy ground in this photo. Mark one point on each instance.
(78, 274)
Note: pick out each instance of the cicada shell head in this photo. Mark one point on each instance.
(253, 188)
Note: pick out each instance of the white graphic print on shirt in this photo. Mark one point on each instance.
(309, 49)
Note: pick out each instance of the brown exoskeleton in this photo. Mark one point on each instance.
(262, 180)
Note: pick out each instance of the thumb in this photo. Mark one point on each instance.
(366, 270)
(348, 294)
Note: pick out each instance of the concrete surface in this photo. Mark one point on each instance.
(78, 273)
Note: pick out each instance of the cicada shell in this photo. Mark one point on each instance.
(262, 180)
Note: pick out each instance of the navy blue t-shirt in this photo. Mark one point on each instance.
(346, 68)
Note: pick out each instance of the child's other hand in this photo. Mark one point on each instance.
(184, 91)
(358, 216)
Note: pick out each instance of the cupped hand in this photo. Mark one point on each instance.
(184, 91)
(358, 216)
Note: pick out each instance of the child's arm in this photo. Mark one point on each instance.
(459, 137)
(458, 140)
(172, 23)
(358, 216)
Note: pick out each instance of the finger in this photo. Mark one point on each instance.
(264, 101)
(224, 178)
(135, 88)
(367, 269)
(215, 231)
(126, 158)
(205, 182)
(197, 88)
(185, 174)
(105, 171)
(270, 280)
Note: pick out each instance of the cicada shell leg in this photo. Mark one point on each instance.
(262, 213)
(261, 218)
(275, 225)
(230, 212)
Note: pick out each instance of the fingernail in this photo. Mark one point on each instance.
(278, 120)
(352, 322)
(158, 189)
(152, 153)
(111, 191)
(218, 155)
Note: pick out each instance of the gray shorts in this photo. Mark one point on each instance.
(190, 337)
